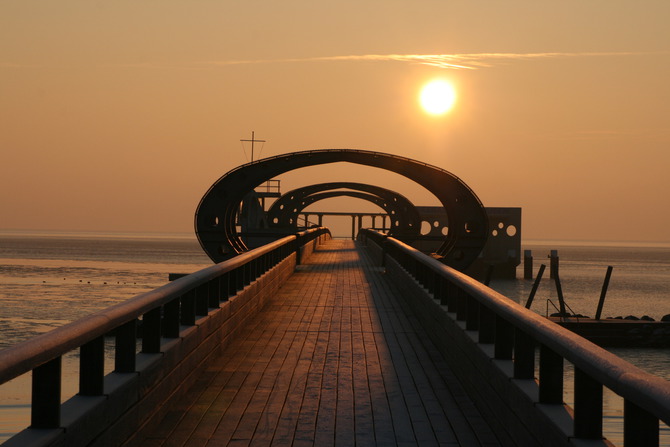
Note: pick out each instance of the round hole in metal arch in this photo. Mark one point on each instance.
(425, 228)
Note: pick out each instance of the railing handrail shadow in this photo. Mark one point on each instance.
(163, 311)
(514, 332)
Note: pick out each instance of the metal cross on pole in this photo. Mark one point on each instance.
(253, 140)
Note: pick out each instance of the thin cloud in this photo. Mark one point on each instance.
(463, 61)
(466, 61)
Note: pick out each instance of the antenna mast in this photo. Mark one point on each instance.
(253, 140)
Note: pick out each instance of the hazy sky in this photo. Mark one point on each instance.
(118, 115)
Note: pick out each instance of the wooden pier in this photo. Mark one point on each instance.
(308, 341)
(333, 359)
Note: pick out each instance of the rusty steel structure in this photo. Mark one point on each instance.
(215, 217)
(405, 219)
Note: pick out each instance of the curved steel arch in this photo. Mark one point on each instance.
(404, 233)
(405, 219)
(217, 210)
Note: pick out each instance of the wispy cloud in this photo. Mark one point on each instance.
(461, 61)
(466, 61)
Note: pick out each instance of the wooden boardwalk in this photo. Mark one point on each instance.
(333, 359)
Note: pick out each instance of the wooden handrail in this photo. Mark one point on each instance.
(649, 393)
(26, 356)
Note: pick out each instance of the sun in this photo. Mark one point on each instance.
(437, 97)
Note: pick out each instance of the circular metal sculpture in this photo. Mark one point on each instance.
(405, 219)
(217, 210)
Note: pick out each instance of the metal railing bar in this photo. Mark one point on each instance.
(643, 389)
(162, 311)
(25, 356)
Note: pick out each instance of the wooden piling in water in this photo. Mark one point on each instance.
(553, 264)
(559, 292)
(536, 284)
(527, 264)
(603, 292)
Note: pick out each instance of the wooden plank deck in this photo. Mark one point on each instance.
(333, 360)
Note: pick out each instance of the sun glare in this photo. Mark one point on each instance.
(437, 97)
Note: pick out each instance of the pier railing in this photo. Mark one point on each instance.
(493, 342)
(156, 317)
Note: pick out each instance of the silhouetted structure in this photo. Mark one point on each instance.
(502, 252)
(217, 213)
(404, 222)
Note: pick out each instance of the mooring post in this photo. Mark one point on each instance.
(553, 264)
(536, 284)
(603, 292)
(559, 292)
(527, 264)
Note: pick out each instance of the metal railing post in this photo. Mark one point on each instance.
(452, 298)
(187, 317)
(640, 428)
(461, 305)
(524, 355)
(551, 376)
(487, 325)
(151, 331)
(213, 293)
(588, 406)
(201, 301)
(124, 356)
(46, 391)
(504, 339)
(170, 326)
(92, 367)
(472, 313)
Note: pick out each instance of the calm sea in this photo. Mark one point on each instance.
(47, 280)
